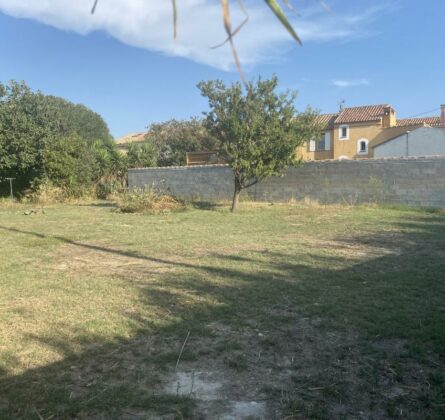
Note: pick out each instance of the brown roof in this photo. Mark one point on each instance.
(131, 138)
(326, 120)
(352, 115)
(360, 114)
(434, 121)
(371, 113)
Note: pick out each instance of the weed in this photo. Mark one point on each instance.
(149, 200)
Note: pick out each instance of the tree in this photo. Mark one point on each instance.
(142, 155)
(258, 129)
(49, 138)
(23, 134)
(69, 163)
(174, 138)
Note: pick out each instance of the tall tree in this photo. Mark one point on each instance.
(258, 129)
(34, 130)
(174, 138)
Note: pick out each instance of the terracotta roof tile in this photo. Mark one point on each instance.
(360, 114)
(326, 120)
(434, 121)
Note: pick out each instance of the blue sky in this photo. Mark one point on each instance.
(123, 63)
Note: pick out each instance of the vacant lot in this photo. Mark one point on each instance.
(281, 311)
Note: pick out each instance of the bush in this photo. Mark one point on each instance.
(43, 137)
(46, 192)
(151, 200)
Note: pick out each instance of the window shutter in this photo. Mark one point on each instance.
(312, 145)
(327, 141)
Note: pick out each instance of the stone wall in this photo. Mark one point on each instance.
(411, 181)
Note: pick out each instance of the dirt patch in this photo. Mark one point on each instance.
(301, 371)
(353, 248)
(202, 385)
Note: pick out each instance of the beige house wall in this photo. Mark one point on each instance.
(357, 131)
(371, 131)
(304, 153)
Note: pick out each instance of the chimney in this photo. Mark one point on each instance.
(389, 117)
(442, 114)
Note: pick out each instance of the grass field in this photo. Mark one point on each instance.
(281, 311)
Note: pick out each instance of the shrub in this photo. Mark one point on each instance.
(46, 192)
(149, 200)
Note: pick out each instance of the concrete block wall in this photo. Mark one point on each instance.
(411, 181)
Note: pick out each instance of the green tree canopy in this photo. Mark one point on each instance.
(258, 128)
(35, 135)
(174, 138)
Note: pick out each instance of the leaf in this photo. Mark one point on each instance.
(175, 19)
(238, 28)
(278, 11)
(228, 28)
(93, 9)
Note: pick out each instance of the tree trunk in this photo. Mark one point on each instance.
(236, 194)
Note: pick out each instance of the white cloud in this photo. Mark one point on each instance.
(342, 83)
(148, 24)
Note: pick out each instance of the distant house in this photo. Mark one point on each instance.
(355, 133)
(424, 141)
(203, 158)
(124, 142)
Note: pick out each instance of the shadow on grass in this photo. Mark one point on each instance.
(101, 204)
(382, 297)
(207, 205)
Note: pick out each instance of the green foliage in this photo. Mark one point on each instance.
(258, 128)
(69, 162)
(22, 135)
(48, 138)
(174, 138)
(143, 155)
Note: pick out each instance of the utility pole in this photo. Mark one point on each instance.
(10, 187)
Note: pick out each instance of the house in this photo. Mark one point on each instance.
(423, 141)
(202, 158)
(354, 133)
(124, 142)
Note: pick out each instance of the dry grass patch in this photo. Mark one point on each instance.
(298, 311)
(150, 200)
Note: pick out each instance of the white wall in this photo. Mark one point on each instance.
(424, 141)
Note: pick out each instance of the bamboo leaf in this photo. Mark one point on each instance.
(278, 11)
(93, 9)
(175, 19)
(238, 28)
(228, 28)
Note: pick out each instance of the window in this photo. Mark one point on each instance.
(362, 147)
(343, 132)
(320, 143)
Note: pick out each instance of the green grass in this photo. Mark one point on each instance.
(331, 311)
